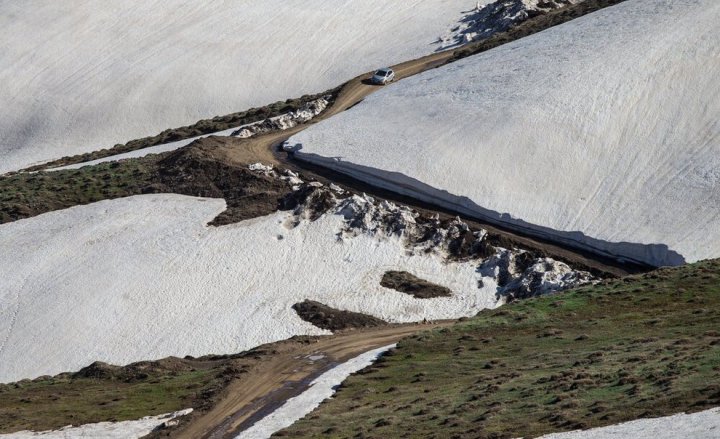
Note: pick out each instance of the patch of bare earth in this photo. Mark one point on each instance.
(332, 319)
(407, 283)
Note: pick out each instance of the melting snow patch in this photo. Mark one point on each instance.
(158, 149)
(322, 388)
(700, 425)
(105, 430)
(497, 16)
(265, 169)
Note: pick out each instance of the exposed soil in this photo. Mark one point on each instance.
(325, 317)
(194, 171)
(407, 283)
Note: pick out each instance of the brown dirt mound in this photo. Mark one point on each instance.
(333, 319)
(195, 171)
(419, 288)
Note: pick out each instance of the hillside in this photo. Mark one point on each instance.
(640, 347)
(81, 76)
(207, 275)
(544, 135)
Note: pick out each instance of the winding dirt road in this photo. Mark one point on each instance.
(264, 148)
(286, 373)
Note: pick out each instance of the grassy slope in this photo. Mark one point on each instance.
(188, 171)
(27, 195)
(638, 347)
(102, 392)
(52, 402)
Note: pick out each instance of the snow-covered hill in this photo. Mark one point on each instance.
(83, 75)
(602, 132)
(144, 277)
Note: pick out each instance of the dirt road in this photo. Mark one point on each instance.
(285, 374)
(264, 148)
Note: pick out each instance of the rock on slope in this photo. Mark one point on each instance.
(498, 16)
(80, 76)
(602, 133)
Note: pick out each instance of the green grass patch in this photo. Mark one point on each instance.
(26, 195)
(641, 346)
(191, 170)
(53, 402)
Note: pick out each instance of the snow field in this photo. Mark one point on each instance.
(143, 277)
(319, 390)
(80, 76)
(601, 133)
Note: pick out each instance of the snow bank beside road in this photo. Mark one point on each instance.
(84, 75)
(320, 389)
(601, 132)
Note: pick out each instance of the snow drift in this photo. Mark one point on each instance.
(143, 278)
(601, 133)
(83, 75)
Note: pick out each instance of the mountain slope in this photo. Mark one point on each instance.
(143, 277)
(79, 76)
(638, 347)
(601, 133)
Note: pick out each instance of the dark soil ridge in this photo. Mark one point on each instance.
(407, 283)
(199, 128)
(331, 319)
(192, 170)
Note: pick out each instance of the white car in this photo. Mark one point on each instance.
(383, 76)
